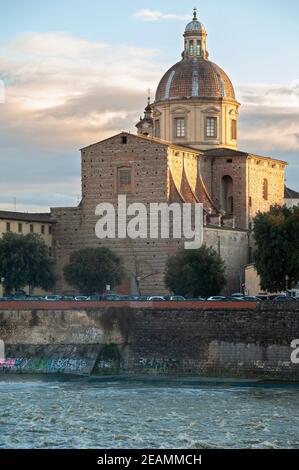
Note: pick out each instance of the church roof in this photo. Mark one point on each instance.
(26, 217)
(290, 193)
(195, 78)
(154, 140)
(227, 152)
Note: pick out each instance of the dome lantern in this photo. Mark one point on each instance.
(195, 39)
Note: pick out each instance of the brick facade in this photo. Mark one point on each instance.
(160, 172)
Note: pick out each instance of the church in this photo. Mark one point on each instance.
(185, 151)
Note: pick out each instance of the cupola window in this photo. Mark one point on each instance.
(191, 47)
(180, 128)
(234, 129)
(198, 48)
(211, 127)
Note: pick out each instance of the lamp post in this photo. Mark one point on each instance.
(138, 279)
(2, 282)
(287, 278)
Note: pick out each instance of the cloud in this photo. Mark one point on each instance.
(269, 123)
(62, 93)
(269, 117)
(153, 16)
(2, 91)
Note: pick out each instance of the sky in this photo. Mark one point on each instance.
(74, 72)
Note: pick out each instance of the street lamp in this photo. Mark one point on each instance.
(287, 278)
(2, 282)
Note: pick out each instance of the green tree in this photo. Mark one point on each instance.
(91, 269)
(276, 235)
(194, 273)
(24, 261)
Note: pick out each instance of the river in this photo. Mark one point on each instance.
(52, 412)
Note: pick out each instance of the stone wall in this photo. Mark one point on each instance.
(215, 342)
(234, 167)
(258, 171)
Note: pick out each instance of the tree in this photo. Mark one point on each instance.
(194, 273)
(276, 235)
(91, 269)
(24, 261)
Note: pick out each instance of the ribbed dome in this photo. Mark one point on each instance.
(194, 26)
(195, 78)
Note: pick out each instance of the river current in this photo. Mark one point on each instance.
(47, 412)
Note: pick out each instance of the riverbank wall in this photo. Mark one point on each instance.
(165, 339)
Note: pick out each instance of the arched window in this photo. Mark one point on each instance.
(265, 190)
(227, 194)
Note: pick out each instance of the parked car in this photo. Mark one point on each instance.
(251, 298)
(177, 298)
(284, 298)
(112, 297)
(17, 297)
(156, 298)
(82, 298)
(68, 297)
(217, 298)
(34, 298)
(52, 297)
(234, 299)
(266, 297)
(95, 297)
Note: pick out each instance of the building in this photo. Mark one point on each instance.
(186, 151)
(291, 197)
(25, 223)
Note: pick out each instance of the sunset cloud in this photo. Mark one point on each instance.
(270, 117)
(63, 92)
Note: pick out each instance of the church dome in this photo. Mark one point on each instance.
(194, 26)
(195, 78)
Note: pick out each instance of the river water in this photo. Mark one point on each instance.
(52, 412)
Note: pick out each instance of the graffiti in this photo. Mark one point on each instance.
(158, 363)
(7, 362)
(105, 364)
(295, 353)
(47, 365)
(3, 361)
